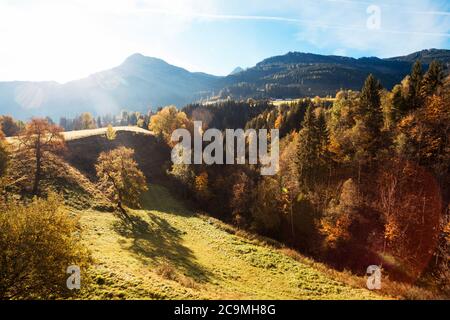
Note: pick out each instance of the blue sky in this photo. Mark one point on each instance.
(66, 40)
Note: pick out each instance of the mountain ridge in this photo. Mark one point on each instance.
(144, 83)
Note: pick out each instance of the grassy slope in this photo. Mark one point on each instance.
(172, 253)
(79, 134)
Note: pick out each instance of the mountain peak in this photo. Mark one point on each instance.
(138, 58)
(236, 70)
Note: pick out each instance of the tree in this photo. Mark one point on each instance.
(63, 123)
(415, 82)
(9, 126)
(110, 132)
(3, 156)
(84, 122)
(369, 122)
(201, 186)
(124, 118)
(410, 205)
(322, 133)
(308, 149)
(241, 199)
(38, 144)
(432, 80)
(121, 179)
(99, 122)
(133, 119)
(370, 106)
(266, 208)
(338, 218)
(38, 241)
(167, 120)
(341, 124)
(399, 105)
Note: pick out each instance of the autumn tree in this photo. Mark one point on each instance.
(110, 132)
(9, 126)
(3, 155)
(37, 148)
(201, 187)
(410, 204)
(84, 122)
(340, 214)
(341, 124)
(241, 199)
(167, 120)
(267, 207)
(120, 178)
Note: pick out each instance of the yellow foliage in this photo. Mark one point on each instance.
(167, 120)
(38, 242)
(110, 132)
(278, 121)
(201, 182)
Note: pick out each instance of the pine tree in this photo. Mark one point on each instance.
(432, 80)
(398, 103)
(322, 131)
(308, 149)
(370, 116)
(415, 83)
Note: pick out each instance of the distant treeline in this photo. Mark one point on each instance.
(88, 121)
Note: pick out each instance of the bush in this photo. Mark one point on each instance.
(38, 241)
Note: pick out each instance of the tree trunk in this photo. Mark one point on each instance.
(124, 212)
(37, 175)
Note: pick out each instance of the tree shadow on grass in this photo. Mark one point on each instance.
(158, 240)
(158, 198)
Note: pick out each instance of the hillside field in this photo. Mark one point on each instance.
(173, 253)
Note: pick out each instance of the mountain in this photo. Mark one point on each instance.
(236, 70)
(298, 74)
(425, 56)
(141, 83)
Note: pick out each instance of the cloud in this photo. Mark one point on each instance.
(403, 29)
(65, 40)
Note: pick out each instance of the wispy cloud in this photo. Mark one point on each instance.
(63, 40)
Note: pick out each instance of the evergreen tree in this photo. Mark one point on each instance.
(308, 149)
(415, 83)
(322, 130)
(399, 106)
(369, 117)
(432, 80)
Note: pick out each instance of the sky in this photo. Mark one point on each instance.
(54, 40)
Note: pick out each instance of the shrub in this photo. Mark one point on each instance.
(38, 241)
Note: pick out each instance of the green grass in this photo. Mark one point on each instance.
(172, 253)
